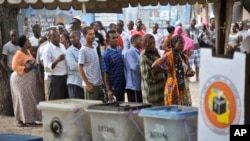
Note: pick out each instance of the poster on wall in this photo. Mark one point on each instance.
(106, 18)
(47, 18)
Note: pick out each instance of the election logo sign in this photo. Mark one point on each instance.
(220, 104)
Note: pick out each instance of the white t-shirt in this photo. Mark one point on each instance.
(158, 39)
(34, 41)
(9, 50)
(89, 58)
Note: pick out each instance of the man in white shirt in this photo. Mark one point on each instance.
(55, 64)
(158, 36)
(125, 36)
(34, 40)
(158, 39)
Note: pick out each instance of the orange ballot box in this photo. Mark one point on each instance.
(224, 95)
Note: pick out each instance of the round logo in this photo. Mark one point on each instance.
(220, 104)
(56, 127)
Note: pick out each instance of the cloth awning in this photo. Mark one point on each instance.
(94, 6)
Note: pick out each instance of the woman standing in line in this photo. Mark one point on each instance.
(176, 66)
(152, 79)
(25, 85)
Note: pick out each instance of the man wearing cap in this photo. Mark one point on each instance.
(76, 26)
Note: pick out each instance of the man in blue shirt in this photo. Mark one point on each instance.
(132, 70)
(74, 81)
(113, 68)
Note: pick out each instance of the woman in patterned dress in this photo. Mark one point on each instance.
(176, 66)
(25, 86)
(152, 79)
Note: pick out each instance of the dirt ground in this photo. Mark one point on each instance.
(8, 124)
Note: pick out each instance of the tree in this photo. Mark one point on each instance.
(8, 21)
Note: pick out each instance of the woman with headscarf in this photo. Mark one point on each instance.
(152, 79)
(188, 43)
(175, 63)
(25, 86)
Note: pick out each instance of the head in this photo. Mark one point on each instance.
(234, 27)
(54, 37)
(241, 25)
(137, 41)
(64, 39)
(13, 36)
(149, 43)
(61, 29)
(130, 25)
(26, 21)
(36, 29)
(112, 38)
(89, 34)
(177, 43)
(75, 37)
(212, 22)
(204, 26)
(100, 25)
(178, 30)
(155, 28)
(119, 27)
(77, 20)
(120, 22)
(60, 24)
(193, 22)
(41, 40)
(112, 26)
(170, 29)
(95, 26)
(138, 24)
(24, 42)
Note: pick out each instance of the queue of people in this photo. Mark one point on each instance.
(86, 63)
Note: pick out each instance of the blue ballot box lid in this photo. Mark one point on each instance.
(119, 106)
(19, 137)
(172, 111)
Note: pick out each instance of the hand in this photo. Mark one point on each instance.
(110, 94)
(60, 57)
(90, 87)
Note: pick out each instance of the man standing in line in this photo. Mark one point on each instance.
(55, 65)
(89, 67)
(9, 49)
(132, 70)
(113, 68)
(74, 81)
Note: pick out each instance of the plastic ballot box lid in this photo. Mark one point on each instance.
(119, 106)
(172, 111)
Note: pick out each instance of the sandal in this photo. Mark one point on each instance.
(21, 124)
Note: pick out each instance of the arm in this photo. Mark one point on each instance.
(71, 62)
(133, 61)
(89, 86)
(17, 64)
(50, 64)
(105, 70)
(4, 63)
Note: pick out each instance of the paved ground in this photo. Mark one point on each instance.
(8, 124)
